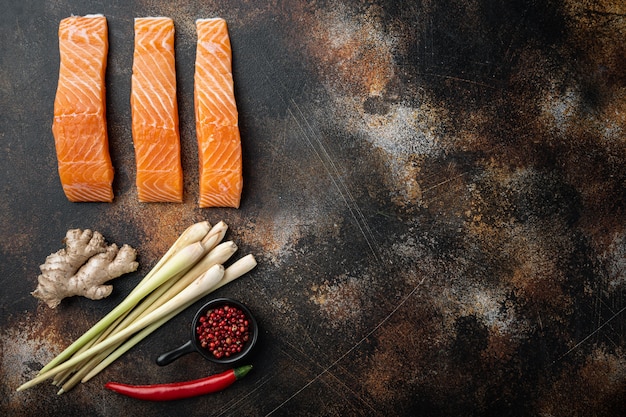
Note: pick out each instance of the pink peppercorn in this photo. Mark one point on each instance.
(223, 331)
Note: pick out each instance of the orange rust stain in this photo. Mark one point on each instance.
(341, 302)
(501, 348)
(596, 387)
(350, 52)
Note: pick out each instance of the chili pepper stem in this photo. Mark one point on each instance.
(242, 371)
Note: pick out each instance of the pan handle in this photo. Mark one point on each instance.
(172, 355)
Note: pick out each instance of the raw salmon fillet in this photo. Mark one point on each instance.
(79, 125)
(154, 112)
(217, 128)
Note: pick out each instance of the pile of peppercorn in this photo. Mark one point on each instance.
(223, 331)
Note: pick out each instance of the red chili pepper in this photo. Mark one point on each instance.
(178, 390)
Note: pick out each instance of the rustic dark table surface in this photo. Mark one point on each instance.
(434, 191)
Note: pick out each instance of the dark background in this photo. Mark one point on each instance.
(434, 192)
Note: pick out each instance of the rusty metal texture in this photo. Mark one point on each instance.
(434, 191)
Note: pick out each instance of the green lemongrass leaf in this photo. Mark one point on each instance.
(139, 309)
(61, 377)
(239, 268)
(126, 346)
(84, 369)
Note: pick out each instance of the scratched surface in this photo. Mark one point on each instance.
(434, 191)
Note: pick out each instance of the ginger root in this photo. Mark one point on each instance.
(82, 267)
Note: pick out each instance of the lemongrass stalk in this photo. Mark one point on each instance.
(120, 323)
(194, 233)
(220, 254)
(126, 346)
(76, 377)
(67, 380)
(236, 270)
(83, 369)
(180, 261)
(215, 235)
(200, 286)
(62, 376)
(142, 306)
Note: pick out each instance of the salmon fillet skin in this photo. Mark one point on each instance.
(217, 128)
(79, 125)
(154, 112)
